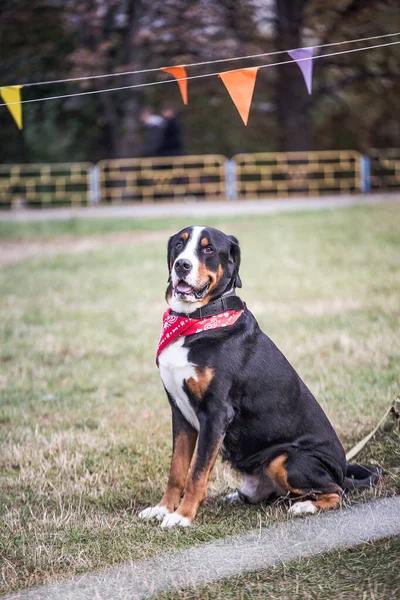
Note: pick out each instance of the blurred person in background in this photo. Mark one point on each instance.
(172, 144)
(154, 132)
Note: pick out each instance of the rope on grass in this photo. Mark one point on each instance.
(389, 419)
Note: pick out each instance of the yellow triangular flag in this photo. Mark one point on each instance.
(11, 94)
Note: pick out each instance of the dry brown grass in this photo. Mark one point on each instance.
(84, 422)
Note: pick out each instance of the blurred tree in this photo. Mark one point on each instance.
(33, 42)
(292, 102)
(48, 39)
(358, 90)
(315, 22)
(105, 34)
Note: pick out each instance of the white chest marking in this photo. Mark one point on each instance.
(174, 370)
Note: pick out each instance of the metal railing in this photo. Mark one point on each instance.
(384, 169)
(309, 173)
(41, 185)
(202, 177)
(156, 179)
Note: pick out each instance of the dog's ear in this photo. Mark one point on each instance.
(235, 255)
(169, 257)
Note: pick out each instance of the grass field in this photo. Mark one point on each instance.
(84, 423)
(367, 571)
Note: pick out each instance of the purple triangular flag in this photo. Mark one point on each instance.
(305, 65)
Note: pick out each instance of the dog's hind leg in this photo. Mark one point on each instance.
(322, 502)
(304, 476)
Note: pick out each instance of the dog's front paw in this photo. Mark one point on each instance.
(154, 512)
(173, 519)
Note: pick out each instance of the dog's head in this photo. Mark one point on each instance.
(203, 264)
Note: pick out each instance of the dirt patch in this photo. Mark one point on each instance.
(14, 252)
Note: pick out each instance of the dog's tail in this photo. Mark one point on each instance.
(361, 476)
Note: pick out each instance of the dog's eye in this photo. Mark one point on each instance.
(179, 245)
(208, 249)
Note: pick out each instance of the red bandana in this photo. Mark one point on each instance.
(174, 326)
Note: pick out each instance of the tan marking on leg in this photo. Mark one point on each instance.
(196, 488)
(327, 501)
(180, 463)
(278, 473)
(204, 242)
(204, 378)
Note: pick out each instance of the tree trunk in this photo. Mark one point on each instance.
(108, 143)
(134, 56)
(292, 98)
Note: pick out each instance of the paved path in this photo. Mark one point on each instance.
(201, 564)
(197, 209)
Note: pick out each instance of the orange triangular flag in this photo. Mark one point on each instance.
(178, 73)
(240, 85)
(11, 95)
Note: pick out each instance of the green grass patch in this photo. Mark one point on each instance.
(84, 421)
(75, 227)
(369, 571)
(33, 230)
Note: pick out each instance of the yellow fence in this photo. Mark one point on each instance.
(203, 177)
(55, 184)
(385, 169)
(155, 179)
(309, 173)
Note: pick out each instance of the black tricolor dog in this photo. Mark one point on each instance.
(233, 391)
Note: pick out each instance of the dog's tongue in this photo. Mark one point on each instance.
(183, 287)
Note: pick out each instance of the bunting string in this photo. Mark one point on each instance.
(212, 62)
(143, 85)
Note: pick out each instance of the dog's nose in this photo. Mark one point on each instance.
(183, 266)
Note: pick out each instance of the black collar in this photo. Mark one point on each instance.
(213, 308)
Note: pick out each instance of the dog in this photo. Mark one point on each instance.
(233, 392)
